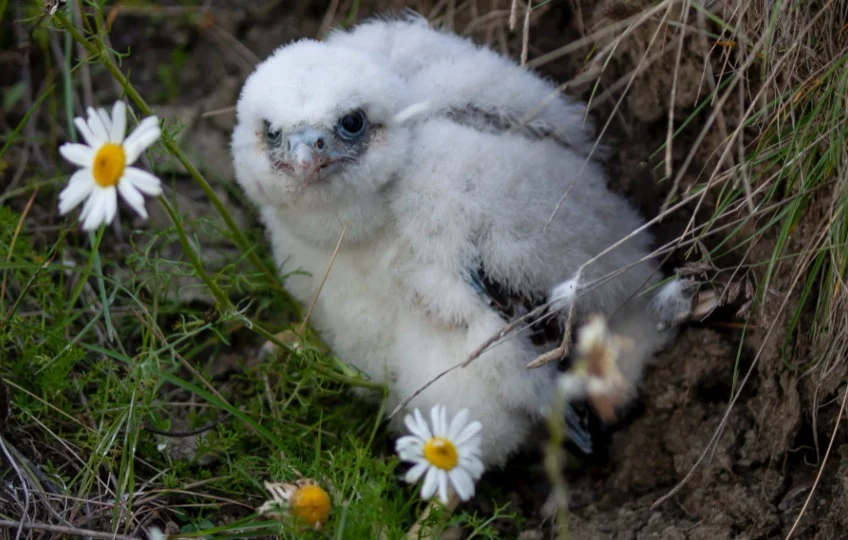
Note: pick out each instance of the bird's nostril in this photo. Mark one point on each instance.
(288, 145)
(319, 144)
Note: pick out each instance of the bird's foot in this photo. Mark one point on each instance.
(422, 531)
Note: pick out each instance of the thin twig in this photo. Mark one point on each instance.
(216, 112)
(24, 487)
(561, 351)
(327, 21)
(513, 15)
(579, 174)
(8, 524)
(525, 33)
(673, 97)
(824, 462)
(628, 25)
(14, 239)
(323, 280)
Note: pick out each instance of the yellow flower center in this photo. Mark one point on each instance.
(441, 453)
(311, 504)
(109, 164)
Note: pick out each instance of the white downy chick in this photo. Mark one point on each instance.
(447, 220)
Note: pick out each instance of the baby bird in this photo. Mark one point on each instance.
(443, 165)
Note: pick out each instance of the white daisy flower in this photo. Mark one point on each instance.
(447, 454)
(105, 171)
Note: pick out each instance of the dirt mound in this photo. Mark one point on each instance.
(736, 471)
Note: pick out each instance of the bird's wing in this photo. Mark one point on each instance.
(546, 330)
(498, 121)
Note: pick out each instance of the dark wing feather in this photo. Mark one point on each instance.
(480, 119)
(547, 329)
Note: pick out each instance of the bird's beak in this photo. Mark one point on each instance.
(308, 154)
(303, 161)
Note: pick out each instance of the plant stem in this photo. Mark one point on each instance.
(97, 50)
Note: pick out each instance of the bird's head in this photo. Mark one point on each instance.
(315, 129)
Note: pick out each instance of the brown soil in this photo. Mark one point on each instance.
(744, 471)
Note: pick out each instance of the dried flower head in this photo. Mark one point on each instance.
(304, 500)
(595, 376)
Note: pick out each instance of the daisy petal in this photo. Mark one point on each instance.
(93, 211)
(107, 123)
(143, 181)
(457, 424)
(97, 126)
(415, 473)
(472, 448)
(435, 418)
(146, 133)
(78, 189)
(472, 465)
(443, 421)
(93, 140)
(411, 454)
(408, 441)
(443, 487)
(431, 482)
(133, 198)
(119, 121)
(462, 483)
(470, 430)
(409, 446)
(78, 154)
(418, 426)
(86, 208)
(110, 204)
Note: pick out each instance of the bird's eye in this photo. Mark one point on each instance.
(273, 136)
(352, 125)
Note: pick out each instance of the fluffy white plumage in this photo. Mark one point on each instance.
(450, 73)
(467, 185)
